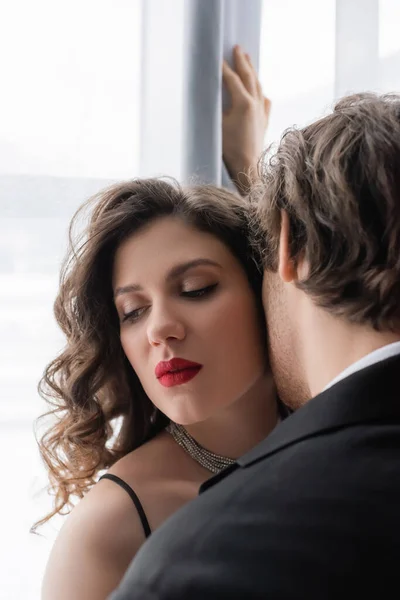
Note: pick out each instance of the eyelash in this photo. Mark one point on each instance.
(199, 294)
(133, 315)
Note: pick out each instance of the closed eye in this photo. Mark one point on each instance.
(200, 293)
(133, 315)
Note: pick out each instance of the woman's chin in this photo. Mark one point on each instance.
(187, 418)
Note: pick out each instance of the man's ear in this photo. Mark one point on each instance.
(286, 266)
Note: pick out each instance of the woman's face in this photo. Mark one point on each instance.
(188, 320)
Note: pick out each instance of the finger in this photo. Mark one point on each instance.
(244, 70)
(257, 81)
(248, 58)
(259, 89)
(267, 107)
(234, 85)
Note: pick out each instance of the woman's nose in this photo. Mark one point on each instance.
(163, 326)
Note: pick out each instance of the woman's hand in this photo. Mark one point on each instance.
(244, 124)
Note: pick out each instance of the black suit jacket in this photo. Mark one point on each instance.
(312, 512)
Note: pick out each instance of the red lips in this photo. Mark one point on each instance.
(176, 371)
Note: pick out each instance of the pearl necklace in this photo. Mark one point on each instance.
(207, 459)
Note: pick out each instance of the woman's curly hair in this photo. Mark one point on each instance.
(100, 409)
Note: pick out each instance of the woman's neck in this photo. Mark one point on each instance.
(242, 425)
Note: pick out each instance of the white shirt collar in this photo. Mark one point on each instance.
(368, 360)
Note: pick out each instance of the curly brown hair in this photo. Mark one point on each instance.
(91, 383)
(338, 179)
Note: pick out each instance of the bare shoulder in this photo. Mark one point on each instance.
(94, 547)
(162, 475)
(104, 531)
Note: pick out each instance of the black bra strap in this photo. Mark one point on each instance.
(135, 500)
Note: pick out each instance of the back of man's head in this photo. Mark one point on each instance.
(339, 182)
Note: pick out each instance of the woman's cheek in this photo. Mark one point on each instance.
(223, 316)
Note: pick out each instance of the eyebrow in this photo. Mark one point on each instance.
(173, 274)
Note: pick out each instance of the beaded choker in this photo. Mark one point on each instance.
(207, 459)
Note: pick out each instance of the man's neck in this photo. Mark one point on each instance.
(331, 345)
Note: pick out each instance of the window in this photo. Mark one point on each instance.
(313, 52)
(389, 45)
(297, 61)
(70, 124)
